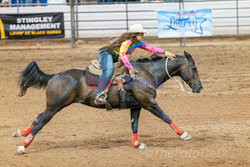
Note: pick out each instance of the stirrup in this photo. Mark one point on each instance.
(97, 101)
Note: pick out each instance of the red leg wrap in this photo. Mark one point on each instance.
(135, 141)
(28, 140)
(177, 130)
(26, 131)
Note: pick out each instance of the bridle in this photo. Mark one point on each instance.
(181, 83)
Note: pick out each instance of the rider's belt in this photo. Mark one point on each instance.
(114, 55)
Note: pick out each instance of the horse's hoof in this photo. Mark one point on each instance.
(16, 133)
(142, 146)
(21, 150)
(185, 136)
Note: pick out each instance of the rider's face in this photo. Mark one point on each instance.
(139, 37)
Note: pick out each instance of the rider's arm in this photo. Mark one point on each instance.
(151, 48)
(123, 50)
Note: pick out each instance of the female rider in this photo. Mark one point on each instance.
(120, 47)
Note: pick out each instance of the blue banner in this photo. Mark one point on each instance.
(185, 23)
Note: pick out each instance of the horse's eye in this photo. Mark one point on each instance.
(194, 68)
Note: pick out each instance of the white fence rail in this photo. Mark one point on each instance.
(105, 20)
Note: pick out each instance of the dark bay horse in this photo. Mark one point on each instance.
(67, 87)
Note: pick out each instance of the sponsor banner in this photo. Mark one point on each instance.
(185, 23)
(31, 26)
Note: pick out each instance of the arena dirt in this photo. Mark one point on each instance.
(218, 119)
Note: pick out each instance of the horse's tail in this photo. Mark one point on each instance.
(32, 76)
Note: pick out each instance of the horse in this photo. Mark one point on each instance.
(70, 86)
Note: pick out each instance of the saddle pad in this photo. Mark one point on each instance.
(93, 79)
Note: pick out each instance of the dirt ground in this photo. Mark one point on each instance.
(218, 119)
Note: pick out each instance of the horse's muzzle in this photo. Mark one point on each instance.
(197, 90)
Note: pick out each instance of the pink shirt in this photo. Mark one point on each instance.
(126, 48)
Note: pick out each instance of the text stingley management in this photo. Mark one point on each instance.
(34, 23)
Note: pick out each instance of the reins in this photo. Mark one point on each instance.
(181, 83)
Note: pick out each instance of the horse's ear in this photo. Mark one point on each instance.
(187, 55)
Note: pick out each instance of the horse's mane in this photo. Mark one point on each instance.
(153, 57)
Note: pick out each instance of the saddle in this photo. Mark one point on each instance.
(119, 78)
(94, 71)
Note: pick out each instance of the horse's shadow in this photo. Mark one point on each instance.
(106, 142)
(87, 144)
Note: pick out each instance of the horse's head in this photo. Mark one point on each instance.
(189, 73)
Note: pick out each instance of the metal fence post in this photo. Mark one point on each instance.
(72, 14)
(237, 16)
(77, 25)
(17, 6)
(127, 14)
(181, 7)
(184, 39)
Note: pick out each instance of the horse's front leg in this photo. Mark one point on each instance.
(155, 109)
(135, 114)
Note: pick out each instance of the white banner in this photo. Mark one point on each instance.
(185, 23)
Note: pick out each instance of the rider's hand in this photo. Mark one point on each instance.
(132, 72)
(169, 55)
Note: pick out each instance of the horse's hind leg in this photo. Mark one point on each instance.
(57, 98)
(39, 123)
(26, 132)
(42, 119)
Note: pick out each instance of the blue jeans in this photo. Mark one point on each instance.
(106, 60)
